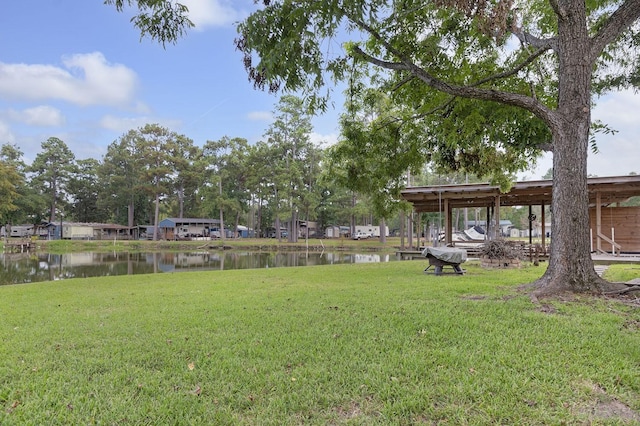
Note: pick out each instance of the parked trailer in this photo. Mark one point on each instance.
(21, 231)
(371, 230)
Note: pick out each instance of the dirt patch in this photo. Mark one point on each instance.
(349, 412)
(473, 297)
(358, 411)
(605, 407)
(632, 325)
(547, 309)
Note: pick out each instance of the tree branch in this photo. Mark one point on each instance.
(514, 70)
(624, 290)
(514, 99)
(531, 40)
(395, 66)
(618, 22)
(406, 64)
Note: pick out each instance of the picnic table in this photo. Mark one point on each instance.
(440, 257)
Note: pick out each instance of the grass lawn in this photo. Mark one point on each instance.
(342, 344)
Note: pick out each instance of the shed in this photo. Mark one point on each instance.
(77, 231)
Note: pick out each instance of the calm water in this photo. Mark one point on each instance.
(24, 268)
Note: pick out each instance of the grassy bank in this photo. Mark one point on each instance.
(343, 344)
(254, 244)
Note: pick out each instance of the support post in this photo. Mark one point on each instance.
(448, 226)
(598, 222)
(544, 231)
(496, 208)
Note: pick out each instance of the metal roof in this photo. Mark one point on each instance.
(527, 193)
(172, 222)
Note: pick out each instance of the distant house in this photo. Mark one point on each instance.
(174, 228)
(110, 231)
(308, 229)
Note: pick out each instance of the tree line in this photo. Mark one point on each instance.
(153, 172)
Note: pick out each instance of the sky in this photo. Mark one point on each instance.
(79, 71)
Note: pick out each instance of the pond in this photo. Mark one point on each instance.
(25, 268)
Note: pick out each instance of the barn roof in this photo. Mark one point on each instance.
(526, 193)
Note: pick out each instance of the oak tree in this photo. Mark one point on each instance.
(533, 67)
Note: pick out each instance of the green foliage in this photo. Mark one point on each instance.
(163, 21)
(226, 171)
(438, 64)
(9, 179)
(294, 166)
(52, 169)
(120, 181)
(373, 156)
(84, 186)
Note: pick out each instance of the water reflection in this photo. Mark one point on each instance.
(24, 268)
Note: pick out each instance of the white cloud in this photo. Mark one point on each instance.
(124, 124)
(618, 153)
(42, 116)
(260, 116)
(5, 133)
(618, 109)
(323, 141)
(87, 79)
(215, 13)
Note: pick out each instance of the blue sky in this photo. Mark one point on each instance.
(77, 70)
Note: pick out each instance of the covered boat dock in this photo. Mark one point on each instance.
(614, 228)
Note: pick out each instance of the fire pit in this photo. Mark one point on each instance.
(440, 257)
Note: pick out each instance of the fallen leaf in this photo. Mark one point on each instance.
(197, 391)
(191, 366)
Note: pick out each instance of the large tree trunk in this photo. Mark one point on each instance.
(235, 227)
(130, 212)
(570, 264)
(293, 228)
(222, 232)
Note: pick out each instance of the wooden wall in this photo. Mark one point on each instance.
(626, 224)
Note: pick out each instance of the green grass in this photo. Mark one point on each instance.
(256, 244)
(622, 272)
(342, 344)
